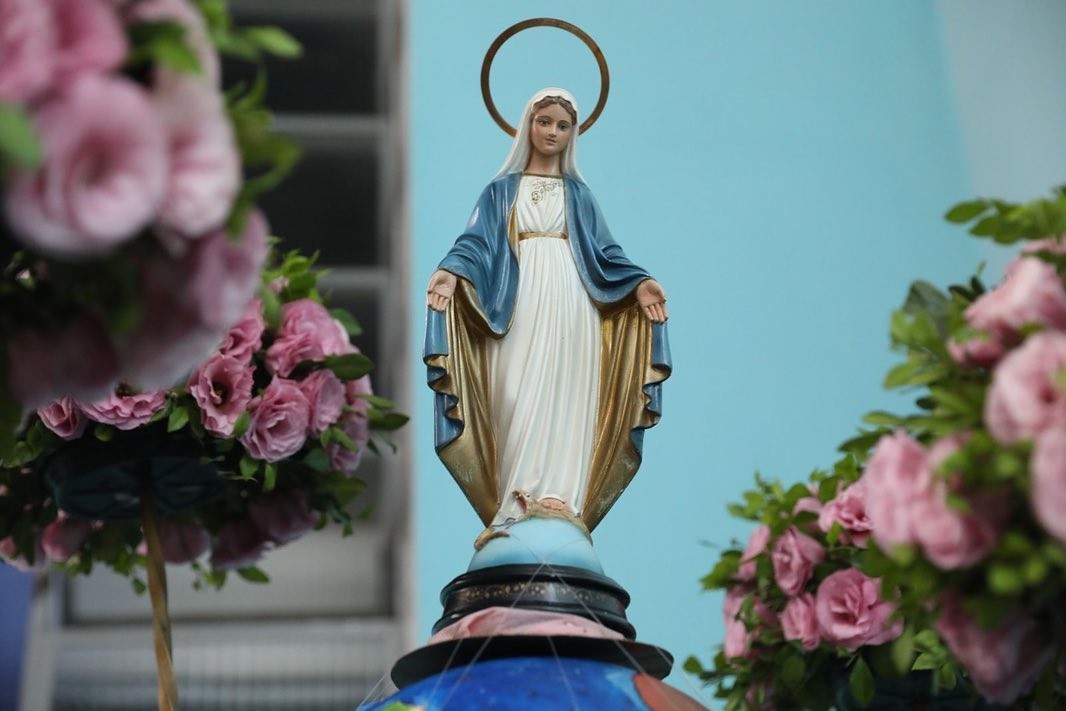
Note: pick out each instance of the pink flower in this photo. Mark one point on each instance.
(224, 273)
(1003, 663)
(896, 476)
(239, 544)
(282, 517)
(222, 387)
(980, 351)
(325, 393)
(278, 427)
(91, 39)
(104, 170)
(953, 539)
(851, 612)
(800, 623)
(63, 417)
(77, 361)
(1048, 493)
(244, 339)
(190, 302)
(181, 542)
(808, 504)
(354, 424)
(738, 639)
(27, 43)
(849, 510)
(126, 412)
(307, 332)
(64, 537)
(1032, 294)
(1025, 398)
(757, 542)
(18, 560)
(794, 556)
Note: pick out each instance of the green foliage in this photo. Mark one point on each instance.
(161, 43)
(1009, 223)
(19, 144)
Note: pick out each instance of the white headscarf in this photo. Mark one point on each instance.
(519, 155)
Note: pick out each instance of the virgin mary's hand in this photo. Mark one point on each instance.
(652, 300)
(440, 290)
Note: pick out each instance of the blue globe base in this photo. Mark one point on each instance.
(538, 541)
(533, 682)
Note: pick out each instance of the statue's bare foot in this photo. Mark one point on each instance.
(553, 504)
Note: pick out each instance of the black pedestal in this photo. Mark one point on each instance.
(573, 591)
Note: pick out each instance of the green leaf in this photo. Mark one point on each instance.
(253, 575)
(880, 418)
(274, 40)
(18, 140)
(270, 476)
(388, 421)
(350, 365)
(241, 425)
(248, 467)
(348, 321)
(926, 662)
(103, 432)
(162, 42)
(179, 417)
(692, 665)
(139, 588)
(946, 678)
(903, 651)
(271, 308)
(966, 211)
(318, 460)
(862, 682)
(1005, 579)
(792, 671)
(341, 437)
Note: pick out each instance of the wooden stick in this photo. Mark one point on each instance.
(157, 591)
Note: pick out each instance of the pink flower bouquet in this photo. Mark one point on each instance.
(129, 240)
(935, 549)
(284, 410)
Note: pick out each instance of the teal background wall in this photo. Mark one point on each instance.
(782, 169)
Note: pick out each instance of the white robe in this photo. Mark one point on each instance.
(545, 371)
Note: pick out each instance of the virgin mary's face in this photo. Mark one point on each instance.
(551, 129)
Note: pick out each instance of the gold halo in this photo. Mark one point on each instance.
(486, 67)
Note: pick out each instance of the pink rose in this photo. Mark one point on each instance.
(104, 170)
(1025, 399)
(239, 544)
(10, 555)
(282, 517)
(325, 393)
(1047, 495)
(808, 504)
(757, 542)
(1003, 663)
(980, 351)
(244, 339)
(355, 424)
(794, 556)
(222, 387)
(181, 542)
(1032, 294)
(91, 39)
(851, 612)
(849, 510)
(126, 412)
(278, 427)
(738, 638)
(953, 539)
(800, 623)
(896, 475)
(77, 361)
(64, 537)
(224, 273)
(63, 417)
(27, 44)
(307, 332)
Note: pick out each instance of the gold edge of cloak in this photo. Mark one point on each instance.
(471, 458)
(625, 370)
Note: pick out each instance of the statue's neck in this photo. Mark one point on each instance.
(544, 165)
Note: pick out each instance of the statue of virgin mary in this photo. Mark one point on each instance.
(545, 345)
